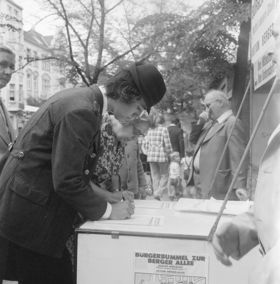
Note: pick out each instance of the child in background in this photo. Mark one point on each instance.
(186, 163)
(175, 186)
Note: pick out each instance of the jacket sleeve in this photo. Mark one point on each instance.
(181, 144)
(72, 138)
(236, 148)
(167, 142)
(195, 132)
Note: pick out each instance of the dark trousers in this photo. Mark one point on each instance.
(28, 267)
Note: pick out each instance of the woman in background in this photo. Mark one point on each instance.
(157, 145)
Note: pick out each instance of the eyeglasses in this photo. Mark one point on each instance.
(209, 104)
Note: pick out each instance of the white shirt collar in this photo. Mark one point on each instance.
(105, 99)
(224, 116)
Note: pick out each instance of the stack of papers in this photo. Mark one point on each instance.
(141, 220)
(212, 206)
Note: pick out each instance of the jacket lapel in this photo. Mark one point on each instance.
(205, 130)
(213, 130)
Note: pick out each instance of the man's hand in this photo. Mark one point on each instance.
(241, 194)
(122, 210)
(203, 117)
(128, 195)
(226, 243)
(114, 197)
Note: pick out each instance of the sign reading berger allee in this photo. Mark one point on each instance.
(264, 13)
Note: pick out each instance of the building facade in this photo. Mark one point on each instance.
(44, 76)
(36, 78)
(13, 94)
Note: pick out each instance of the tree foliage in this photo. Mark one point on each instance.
(91, 43)
(196, 49)
(192, 48)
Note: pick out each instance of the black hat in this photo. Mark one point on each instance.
(149, 82)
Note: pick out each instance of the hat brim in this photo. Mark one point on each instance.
(149, 82)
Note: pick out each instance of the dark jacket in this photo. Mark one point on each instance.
(45, 181)
(177, 139)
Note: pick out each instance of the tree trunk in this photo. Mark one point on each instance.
(241, 76)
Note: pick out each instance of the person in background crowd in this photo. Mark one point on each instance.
(175, 190)
(176, 137)
(177, 142)
(7, 67)
(158, 147)
(146, 165)
(109, 173)
(210, 135)
(44, 184)
(131, 172)
(186, 163)
(261, 225)
(110, 157)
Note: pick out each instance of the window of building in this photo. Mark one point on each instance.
(28, 54)
(36, 85)
(20, 76)
(20, 93)
(12, 92)
(29, 84)
(46, 66)
(45, 86)
(12, 35)
(35, 56)
(20, 62)
(19, 36)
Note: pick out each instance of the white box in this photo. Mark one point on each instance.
(156, 246)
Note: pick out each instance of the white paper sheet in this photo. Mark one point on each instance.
(142, 220)
(212, 206)
(153, 204)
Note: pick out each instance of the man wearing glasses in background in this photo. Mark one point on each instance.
(210, 135)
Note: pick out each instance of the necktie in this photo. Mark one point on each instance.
(211, 128)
